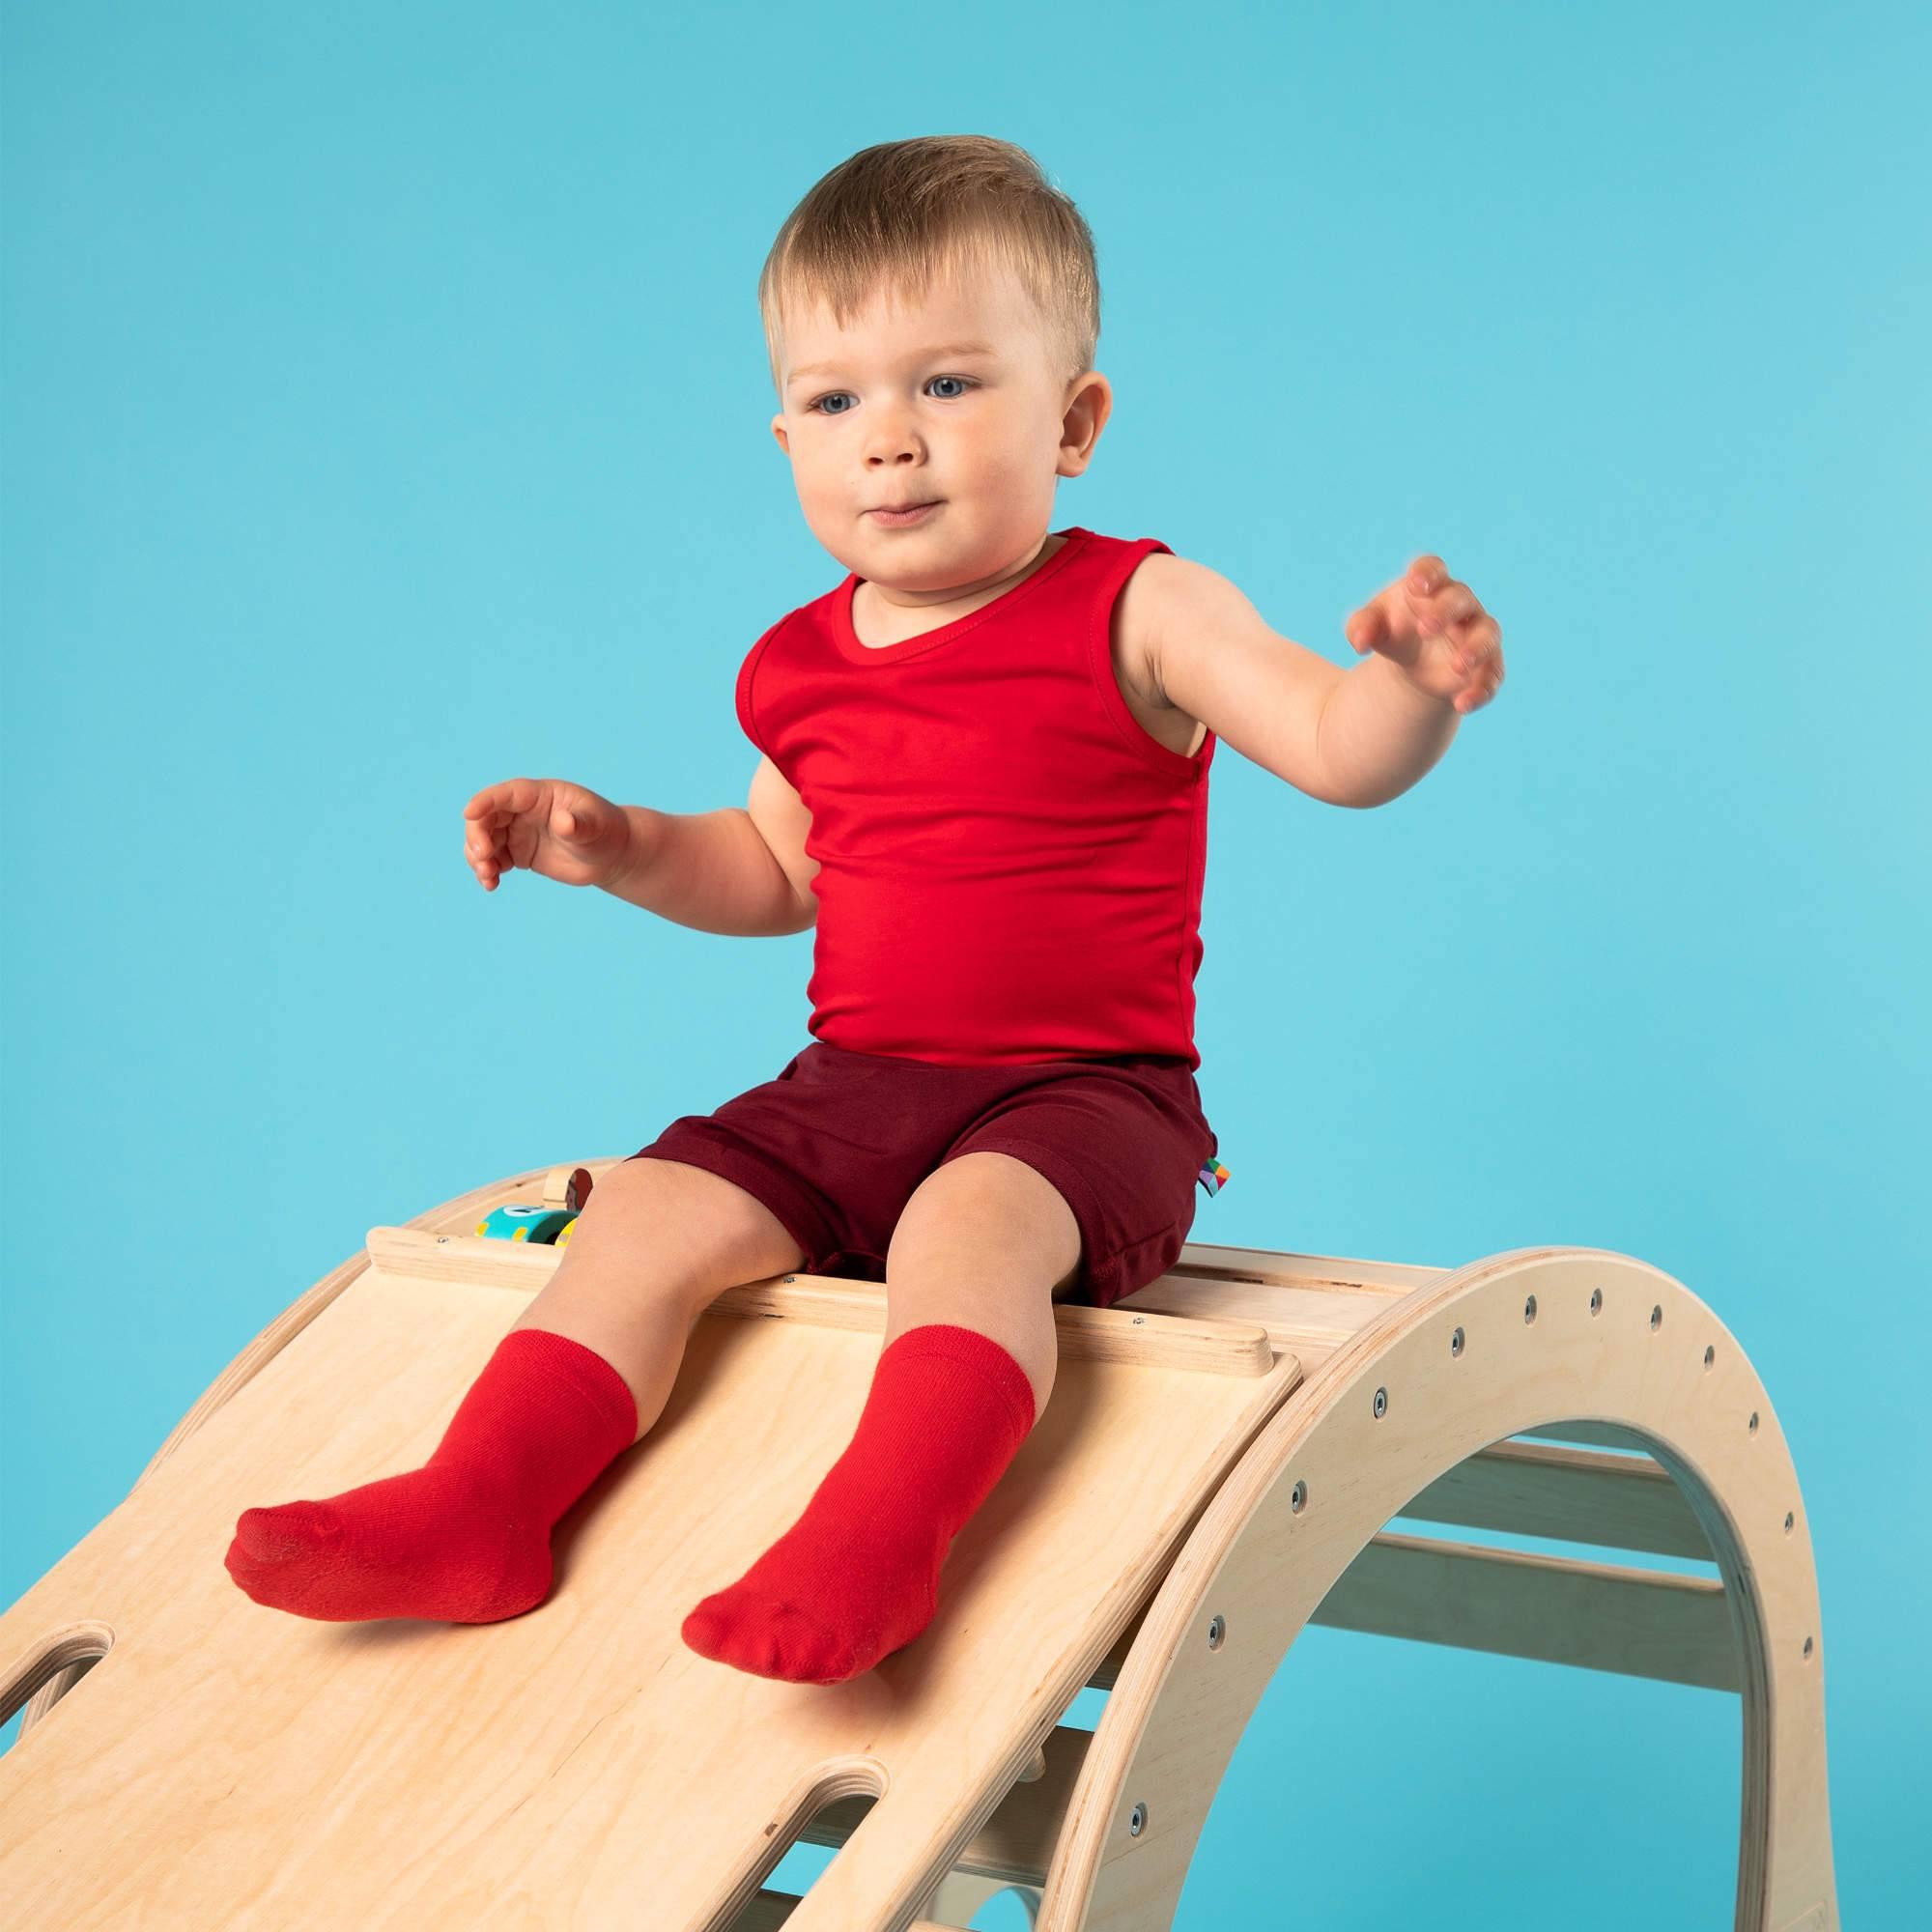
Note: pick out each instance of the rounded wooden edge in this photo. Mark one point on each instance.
(1173, 1719)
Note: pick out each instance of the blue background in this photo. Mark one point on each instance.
(384, 415)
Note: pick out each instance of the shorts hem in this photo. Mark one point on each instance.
(817, 1240)
(1104, 1279)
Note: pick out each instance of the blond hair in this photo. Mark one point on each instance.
(902, 214)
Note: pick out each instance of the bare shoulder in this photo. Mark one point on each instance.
(1169, 597)
(1203, 651)
(1149, 604)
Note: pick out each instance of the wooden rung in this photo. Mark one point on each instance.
(1577, 1496)
(1622, 1502)
(1639, 1623)
(1151, 1340)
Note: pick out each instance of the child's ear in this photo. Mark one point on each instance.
(1089, 405)
(778, 431)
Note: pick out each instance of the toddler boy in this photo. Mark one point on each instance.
(984, 779)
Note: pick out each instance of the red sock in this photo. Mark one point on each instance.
(858, 1575)
(466, 1538)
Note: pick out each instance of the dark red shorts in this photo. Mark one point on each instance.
(836, 1144)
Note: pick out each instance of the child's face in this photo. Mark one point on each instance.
(896, 408)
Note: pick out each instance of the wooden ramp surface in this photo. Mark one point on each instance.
(229, 1765)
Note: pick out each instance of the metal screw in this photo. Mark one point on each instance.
(1216, 1631)
(1709, 1356)
(1596, 1301)
(1137, 1822)
(1529, 1311)
(1657, 1318)
(1787, 1522)
(1381, 1403)
(1455, 1343)
(1753, 1422)
(1297, 1496)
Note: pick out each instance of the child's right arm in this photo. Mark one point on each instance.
(741, 871)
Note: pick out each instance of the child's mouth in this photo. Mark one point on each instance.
(894, 518)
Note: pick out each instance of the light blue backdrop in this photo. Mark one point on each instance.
(385, 413)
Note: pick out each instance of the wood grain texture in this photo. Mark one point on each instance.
(1217, 1468)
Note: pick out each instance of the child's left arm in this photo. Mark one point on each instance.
(1357, 738)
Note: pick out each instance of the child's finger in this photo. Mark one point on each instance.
(1369, 626)
(1480, 645)
(588, 820)
(1480, 688)
(495, 800)
(1452, 602)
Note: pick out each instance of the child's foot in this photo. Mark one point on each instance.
(428, 1544)
(858, 1575)
(818, 1607)
(466, 1538)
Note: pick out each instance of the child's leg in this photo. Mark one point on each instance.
(980, 1252)
(582, 1374)
(657, 1240)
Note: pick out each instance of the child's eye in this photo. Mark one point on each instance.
(812, 408)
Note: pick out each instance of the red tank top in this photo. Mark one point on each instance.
(1010, 868)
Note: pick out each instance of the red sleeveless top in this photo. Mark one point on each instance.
(1010, 868)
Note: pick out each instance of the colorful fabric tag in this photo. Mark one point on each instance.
(1214, 1177)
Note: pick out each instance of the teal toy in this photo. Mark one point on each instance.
(538, 1222)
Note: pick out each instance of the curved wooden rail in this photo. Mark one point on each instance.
(1516, 1343)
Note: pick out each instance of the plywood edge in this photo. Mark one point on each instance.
(1152, 1340)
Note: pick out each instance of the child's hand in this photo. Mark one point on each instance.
(1433, 628)
(562, 830)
